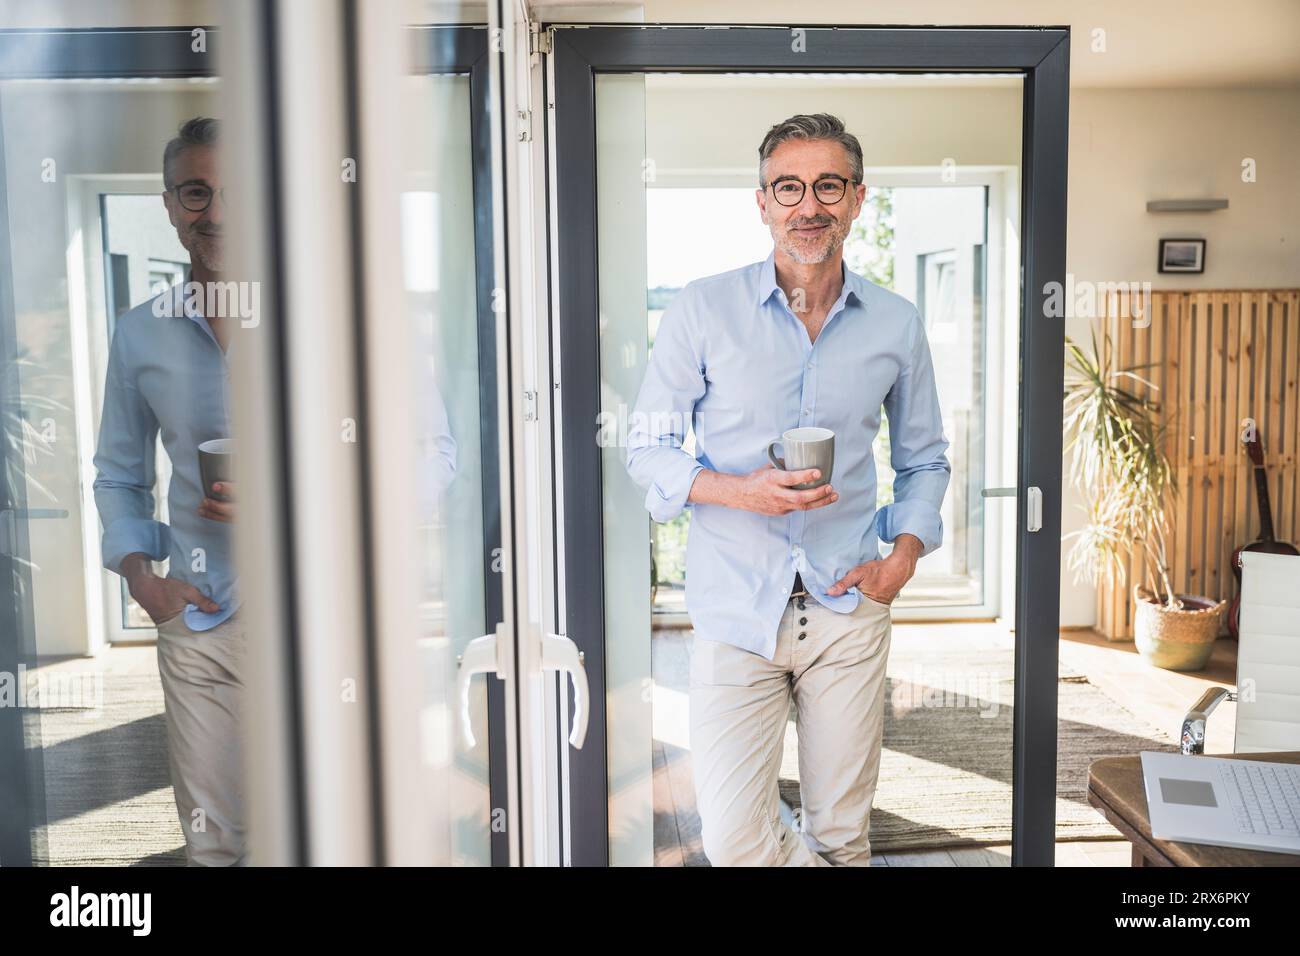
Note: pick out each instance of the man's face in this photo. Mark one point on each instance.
(810, 231)
(199, 232)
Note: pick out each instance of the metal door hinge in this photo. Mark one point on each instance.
(539, 40)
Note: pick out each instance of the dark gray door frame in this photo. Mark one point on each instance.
(1041, 56)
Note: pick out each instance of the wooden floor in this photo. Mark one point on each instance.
(1160, 696)
(142, 806)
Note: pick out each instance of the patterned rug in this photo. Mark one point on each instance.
(945, 768)
(108, 795)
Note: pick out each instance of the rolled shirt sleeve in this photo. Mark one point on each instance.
(918, 449)
(124, 466)
(673, 383)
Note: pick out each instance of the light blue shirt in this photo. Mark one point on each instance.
(732, 360)
(165, 373)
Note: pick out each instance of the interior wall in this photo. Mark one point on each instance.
(1129, 146)
(984, 119)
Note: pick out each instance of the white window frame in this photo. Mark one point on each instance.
(88, 312)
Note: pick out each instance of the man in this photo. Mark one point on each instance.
(786, 588)
(168, 371)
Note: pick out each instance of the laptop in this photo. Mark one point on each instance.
(1251, 804)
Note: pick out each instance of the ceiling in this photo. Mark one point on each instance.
(1147, 43)
(1152, 43)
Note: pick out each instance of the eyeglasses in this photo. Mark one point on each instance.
(828, 190)
(196, 197)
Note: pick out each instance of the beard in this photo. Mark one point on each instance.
(207, 248)
(813, 249)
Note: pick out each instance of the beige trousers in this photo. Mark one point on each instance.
(834, 664)
(202, 681)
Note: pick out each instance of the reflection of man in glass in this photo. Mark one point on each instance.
(786, 588)
(168, 374)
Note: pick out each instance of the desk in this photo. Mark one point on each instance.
(1115, 788)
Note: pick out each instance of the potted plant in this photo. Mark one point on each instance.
(1115, 445)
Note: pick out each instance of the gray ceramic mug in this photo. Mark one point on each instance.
(216, 463)
(807, 447)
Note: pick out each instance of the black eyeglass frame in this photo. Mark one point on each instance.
(803, 191)
(212, 193)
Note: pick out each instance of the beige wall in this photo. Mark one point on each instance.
(1128, 146)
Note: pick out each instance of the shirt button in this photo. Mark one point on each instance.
(803, 620)
(802, 635)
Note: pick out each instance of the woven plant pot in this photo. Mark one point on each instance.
(1177, 640)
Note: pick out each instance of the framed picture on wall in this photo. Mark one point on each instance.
(1182, 255)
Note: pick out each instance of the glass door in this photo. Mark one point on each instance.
(366, 709)
(100, 766)
(657, 155)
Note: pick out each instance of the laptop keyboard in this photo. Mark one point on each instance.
(1264, 800)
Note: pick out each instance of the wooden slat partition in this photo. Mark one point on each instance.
(1220, 356)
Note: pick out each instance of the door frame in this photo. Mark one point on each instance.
(1041, 56)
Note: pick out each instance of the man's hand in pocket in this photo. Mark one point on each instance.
(162, 598)
(881, 580)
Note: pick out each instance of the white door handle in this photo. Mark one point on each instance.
(561, 654)
(480, 657)
(1033, 503)
(558, 654)
(1034, 508)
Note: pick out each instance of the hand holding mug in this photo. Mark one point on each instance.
(220, 504)
(805, 449)
(771, 491)
(216, 466)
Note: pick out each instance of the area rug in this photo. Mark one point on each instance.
(945, 769)
(108, 795)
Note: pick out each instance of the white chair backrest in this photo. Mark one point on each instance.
(1268, 654)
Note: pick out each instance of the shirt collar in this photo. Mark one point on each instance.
(184, 305)
(853, 283)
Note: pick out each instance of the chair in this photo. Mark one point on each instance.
(1268, 662)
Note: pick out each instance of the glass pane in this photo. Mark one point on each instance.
(931, 240)
(452, 347)
(938, 226)
(117, 362)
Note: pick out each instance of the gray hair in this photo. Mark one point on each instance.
(199, 131)
(813, 126)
